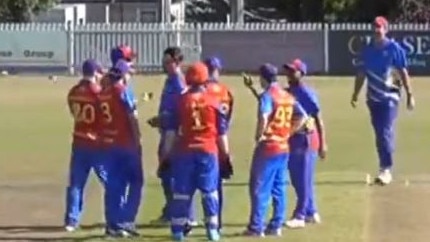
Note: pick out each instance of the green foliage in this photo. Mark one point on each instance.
(23, 10)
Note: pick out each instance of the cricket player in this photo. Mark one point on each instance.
(121, 136)
(224, 95)
(305, 147)
(203, 122)
(86, 147)
(279, 116)
(173, 86)
(379, 60)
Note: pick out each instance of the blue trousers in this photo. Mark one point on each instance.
(268, 180)
(302, 166)
(124, 186)
(83, 160)
(192, 171)
(383, 116)
(166, 183)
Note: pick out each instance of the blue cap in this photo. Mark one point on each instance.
(269, 72)
(91, 67)
(213, 63)
(121, 68)
(297, 65)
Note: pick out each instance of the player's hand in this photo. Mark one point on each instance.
(354, 101)
(226, 167)
(410, 102)
(154, 122)
(247, 80)
(322, 151)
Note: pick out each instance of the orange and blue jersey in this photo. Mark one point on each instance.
(281, 107)
(223, 94)
(83, 103)
(117, 105)
(200, 118)
(378, 63)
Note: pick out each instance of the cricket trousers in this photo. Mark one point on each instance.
(124, 186)
(83, 160)
(193, 171)
(302, 164)
(166, 184)
(383, 116)
(268, 179)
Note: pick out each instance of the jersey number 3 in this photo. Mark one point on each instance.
(86, 113)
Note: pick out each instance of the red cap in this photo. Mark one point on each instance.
(197, 73)
(127, 52)
(381, 22)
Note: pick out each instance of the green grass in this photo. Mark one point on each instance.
(35, 149)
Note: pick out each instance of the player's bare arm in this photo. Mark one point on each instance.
(321, 135)
(263, 121)
(358, 84)
(406, 82)
(223, 144)
(249, 83)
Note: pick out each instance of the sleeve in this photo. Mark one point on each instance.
(128, 100)
(265, 105)
(170, 116)
(312, 106)
(400, 60)
(298, 110)
(223, 119)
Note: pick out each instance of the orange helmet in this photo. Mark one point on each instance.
(197, 73)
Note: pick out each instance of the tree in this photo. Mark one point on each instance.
(19, 11)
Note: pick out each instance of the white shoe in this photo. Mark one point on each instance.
(193, 223)
(295, 223)
(70, 228)
(384, 177)
(314, 219)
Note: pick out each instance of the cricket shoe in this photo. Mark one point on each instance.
(131, 229)
(295, 223)
(252, 233)
(273, 232)
(70, 228)
(213, 235)
(314, 219)
(116, 233)
(384, 177)
(193, 223)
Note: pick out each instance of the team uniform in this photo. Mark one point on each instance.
(86, 147)
(225, 97)
(124, 152)
(304, 146)
(173, 86)
(378, 64)
(268, 178)
(201, 119)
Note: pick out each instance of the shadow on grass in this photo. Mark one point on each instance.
(319, 183)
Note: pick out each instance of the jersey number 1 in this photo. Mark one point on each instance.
(197, 117)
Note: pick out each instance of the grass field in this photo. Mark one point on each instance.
(34, 156)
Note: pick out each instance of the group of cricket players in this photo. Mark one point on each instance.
(193, 120)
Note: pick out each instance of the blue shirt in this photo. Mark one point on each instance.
(266, 104)
(378, 64)
(127, 97)
(307, 97)
(173, 86)
(173, 118)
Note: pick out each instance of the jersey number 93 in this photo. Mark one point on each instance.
(86, 113)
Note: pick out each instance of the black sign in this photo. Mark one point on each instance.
(345, 45)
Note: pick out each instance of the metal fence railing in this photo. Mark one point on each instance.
(328, 48)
